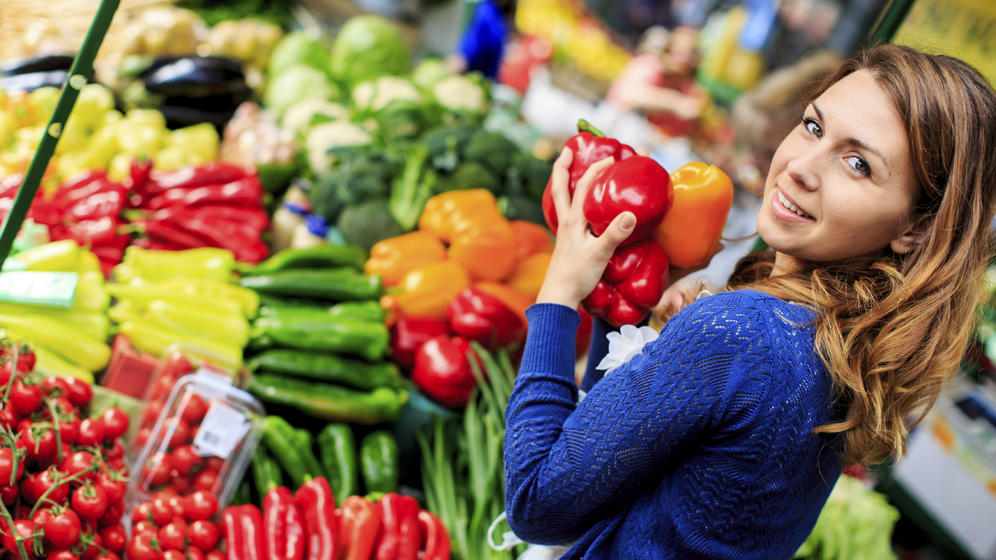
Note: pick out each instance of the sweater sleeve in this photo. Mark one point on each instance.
(569, 464)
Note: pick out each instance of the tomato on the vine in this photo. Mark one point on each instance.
(62, 528)
(193, 553)
(91, 432)
(113, 485)
(173, 554)
(143, 546)
(23, 529)
(215, 555)
(64, 554)
(89, 501)
(8, 457)
(113, 513)
(115, 423)
(39, 447)
(78, 462)
(34, 485)
(26, 397)
(8, 494)
(55, 385)
(78, 392)
(114, 537)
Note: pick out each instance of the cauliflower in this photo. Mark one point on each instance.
(326, 136)
(300, 116)
(461, 93)
(376, 94)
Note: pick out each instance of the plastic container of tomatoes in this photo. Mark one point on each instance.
(202, 439)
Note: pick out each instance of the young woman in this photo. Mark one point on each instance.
(725, 435)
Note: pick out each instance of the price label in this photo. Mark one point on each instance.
(53, 289)
(222, 428)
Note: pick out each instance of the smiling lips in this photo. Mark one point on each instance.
(784, 200)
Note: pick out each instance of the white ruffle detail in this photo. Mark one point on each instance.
(625, 344)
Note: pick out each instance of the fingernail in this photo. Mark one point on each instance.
(628, 221)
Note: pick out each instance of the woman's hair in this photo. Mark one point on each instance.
(894, 327)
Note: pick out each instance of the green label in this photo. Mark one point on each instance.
(52, 289)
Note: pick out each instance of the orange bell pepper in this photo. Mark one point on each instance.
(531, 238)
(529, 274)
(427, 290)
(392, 258)
(486, 249)
(512, 298)
(692, 227)
(446, 213)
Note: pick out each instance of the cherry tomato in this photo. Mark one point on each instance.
(192, 408)
(142, 547)
(25, 360)
(176, 504)
(156, 472)
(173, 535)
(78, 462)
(215, 555)
(185, 459)
(34, 485)
(91, 433)
(115, 423)
(145, 527)
(213, 463)
(79, 392)
(203, 534)
(173, 554)
(39, 442)
(8, 415)
(182, 485)
(200, 505)
(142, 437)
(63, 554)
(25, 396)
(55, 386)
(142, 513)
(8, 494)
(62, 529)
(115, 451)
(41, 516)
(23, 528)
(193, 553)
(162, 511)
(177, 432)
(114, 537)
(114, 487)
(206, 480)
(90, 502)
(93, 546)
(107, 556)
(113, 514)
(7, 467)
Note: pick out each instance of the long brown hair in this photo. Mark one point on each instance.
(893, 328)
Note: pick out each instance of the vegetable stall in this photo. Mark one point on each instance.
(268, 300)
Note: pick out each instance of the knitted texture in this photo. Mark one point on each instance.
(699, 447)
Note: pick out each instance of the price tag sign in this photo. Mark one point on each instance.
(51, 289)
(222, 428)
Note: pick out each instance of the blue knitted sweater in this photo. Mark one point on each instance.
(699, 447)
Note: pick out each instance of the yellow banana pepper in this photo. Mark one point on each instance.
(88, 352)
(156, 341)
(204, 262)
(48, 362)
(51, 257)
(142, 295)
(93, 323)
(228, 329)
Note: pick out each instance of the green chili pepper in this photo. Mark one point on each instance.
(305, 442)
(367, 310)
(307, 331)
(322, 256)
(278, 437)
(243, 493)
(379, 462)
(328, 367)
(265, 471)
(337, 449)
(338, 284)
(329, 402)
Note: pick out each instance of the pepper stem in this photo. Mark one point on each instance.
(585, 126)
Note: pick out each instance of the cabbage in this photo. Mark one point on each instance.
(856, 524)
(296, 84)
(368, 46)
(299, 47)
(429, 71)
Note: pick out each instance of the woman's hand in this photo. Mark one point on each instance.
(579, 258)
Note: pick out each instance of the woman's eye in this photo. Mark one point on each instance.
(813, 127)
(859, 165)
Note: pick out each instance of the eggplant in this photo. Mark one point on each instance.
(34, 80)
(179, 116)
(33, 64)
(193, 76)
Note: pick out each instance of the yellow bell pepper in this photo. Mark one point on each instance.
(447, 213)
(527, 278)
(427, 290)
(692, 227)
(76, 347)
(530, 239)
(392, 258)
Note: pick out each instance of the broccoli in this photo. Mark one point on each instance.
(412, 188)
(367, 223)
(359, 175)
(445, 145)
(528, 176)
(468, 175)
(518, 207)
(492, 150)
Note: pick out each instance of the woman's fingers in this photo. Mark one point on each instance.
(559, 184)
(617, 232)
(586, 180)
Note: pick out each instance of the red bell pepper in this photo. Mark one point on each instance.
(284, 522)
(589, 146)
(409, 332)
(243, 533)
(105, 203)
(485, 319)
(317, 503)
(442, 370)
(434, 536)
(637, 184)
(634, 281)
(359, 528)
(247, 191)
(211, 173)
(399, 532)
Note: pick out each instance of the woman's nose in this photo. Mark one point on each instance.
(803, 168)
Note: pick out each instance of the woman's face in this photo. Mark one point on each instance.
(841, 184)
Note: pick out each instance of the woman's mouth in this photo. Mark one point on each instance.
(788, 204)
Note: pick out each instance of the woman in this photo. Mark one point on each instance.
(725, 435)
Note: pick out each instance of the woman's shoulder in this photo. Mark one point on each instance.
(737, 309)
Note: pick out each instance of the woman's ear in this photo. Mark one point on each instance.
(907, 240)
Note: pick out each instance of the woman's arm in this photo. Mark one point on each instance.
(597, 349)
